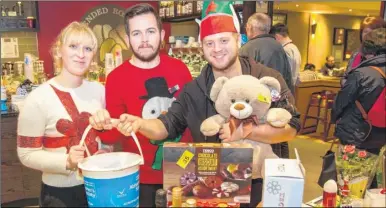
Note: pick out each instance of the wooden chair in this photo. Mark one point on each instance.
(320, 100)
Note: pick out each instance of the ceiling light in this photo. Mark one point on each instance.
(350, 10)
(297, 5)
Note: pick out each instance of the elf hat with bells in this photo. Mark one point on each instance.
(217, 17)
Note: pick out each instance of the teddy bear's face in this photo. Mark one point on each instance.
(242, 97)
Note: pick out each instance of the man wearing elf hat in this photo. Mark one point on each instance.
(220, 43)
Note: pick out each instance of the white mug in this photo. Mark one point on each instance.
(172, 39)
(178, 43)
(191, 40)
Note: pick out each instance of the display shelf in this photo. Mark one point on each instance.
(179, 11)
(19, 29)
(19, 16)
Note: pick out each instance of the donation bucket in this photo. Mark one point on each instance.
(112, 179)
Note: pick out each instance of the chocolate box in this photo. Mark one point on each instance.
(211, 173)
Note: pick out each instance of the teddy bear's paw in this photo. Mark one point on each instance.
(209, 128)
(278, 117)
(208, 132)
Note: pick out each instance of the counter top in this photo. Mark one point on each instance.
(9, 114)
(330, 82)
(329, 78)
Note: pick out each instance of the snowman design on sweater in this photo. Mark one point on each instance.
(159, 98)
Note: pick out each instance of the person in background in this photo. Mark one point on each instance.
(263, 48)
(310, 67)
(281, 33)
(368, 24)
(365, 85)
(308, 74)
(144, 86)
(328, 67)
(55, 115)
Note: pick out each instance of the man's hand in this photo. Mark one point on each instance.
(264, 133)
(225, 133)
(101, 120)
(271, 135)
(129, 123)
(75, 155)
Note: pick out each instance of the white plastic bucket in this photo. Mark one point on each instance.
(112, 179)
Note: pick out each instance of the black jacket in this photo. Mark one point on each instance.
(365, 85)
(266, 50)
(194, 105)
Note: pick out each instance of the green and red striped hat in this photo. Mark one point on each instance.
(218, 17)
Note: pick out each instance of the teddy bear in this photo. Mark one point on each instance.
(244, 101)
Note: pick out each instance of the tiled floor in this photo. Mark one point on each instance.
(310, 152)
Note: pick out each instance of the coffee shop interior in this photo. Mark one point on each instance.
(324, 32)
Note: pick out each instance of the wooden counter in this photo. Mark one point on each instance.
(302, 95)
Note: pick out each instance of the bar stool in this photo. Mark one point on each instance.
(320, 100)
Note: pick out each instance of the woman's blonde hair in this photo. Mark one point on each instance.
(75, 32)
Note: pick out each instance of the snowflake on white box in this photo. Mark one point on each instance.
(273, 187)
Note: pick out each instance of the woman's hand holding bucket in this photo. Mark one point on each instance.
(126, 124)
(75, 155)
(101, 120)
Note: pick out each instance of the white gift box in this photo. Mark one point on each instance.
(283, 183)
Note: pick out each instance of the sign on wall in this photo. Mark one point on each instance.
(9, 48)
(107, 22)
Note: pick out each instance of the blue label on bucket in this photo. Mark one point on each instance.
(114, 192)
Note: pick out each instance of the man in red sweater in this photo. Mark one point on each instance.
(144, 86)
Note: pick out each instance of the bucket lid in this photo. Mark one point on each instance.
(113, 161)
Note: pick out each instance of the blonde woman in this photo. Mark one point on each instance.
(55, 115)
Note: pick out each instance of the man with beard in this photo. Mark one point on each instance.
(220, 40)
(329, 66)
(143, 86)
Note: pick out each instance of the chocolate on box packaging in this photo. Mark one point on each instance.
(210, 172)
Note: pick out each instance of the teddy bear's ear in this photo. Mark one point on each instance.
(271, 82)
(216, 88)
